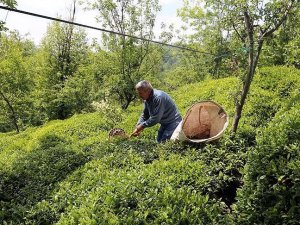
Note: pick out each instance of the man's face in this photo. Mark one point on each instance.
(143, 94)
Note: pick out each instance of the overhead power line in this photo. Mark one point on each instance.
(100, 29)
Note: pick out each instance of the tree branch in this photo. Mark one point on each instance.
(283, 18)
(238, 33)
(13, 113)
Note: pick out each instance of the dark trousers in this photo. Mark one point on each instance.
(166, 130)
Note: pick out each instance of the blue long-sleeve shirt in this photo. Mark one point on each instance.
(159, 108)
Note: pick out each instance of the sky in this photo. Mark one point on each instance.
(36, 27)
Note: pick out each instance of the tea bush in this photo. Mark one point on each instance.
(33, 162)
(270, 194)
(67, 172)
(279, 80)
(118, 190)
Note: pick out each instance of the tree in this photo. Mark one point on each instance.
(250, 23)
(210, 36)
(64, 49)
(15, 82)
(283, 48)
(127, 17)
(260, 21)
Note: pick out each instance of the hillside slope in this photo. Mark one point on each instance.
(66, 172)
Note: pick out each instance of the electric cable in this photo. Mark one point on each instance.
(101, 29)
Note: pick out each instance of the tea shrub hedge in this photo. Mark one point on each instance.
(271, 190)
(67, 172)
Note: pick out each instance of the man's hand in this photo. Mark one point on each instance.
(138, 130)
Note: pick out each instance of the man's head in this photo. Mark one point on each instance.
(144, 89)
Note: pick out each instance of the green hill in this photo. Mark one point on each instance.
(66, 172)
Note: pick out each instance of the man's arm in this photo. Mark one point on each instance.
(139, 126)
(145, 115)
(158, 111)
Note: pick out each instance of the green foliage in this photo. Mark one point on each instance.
(247, 25)
(151, 184)
(15, 83)
(220, 90)
(133, 59)
(33, 162)
(208, 37)
(112, 115)
(283, 48)
(272, 89)
(10, 3)
(117, 190)
(64, 50)
(271, 177)
(270, 194)
(67, 172)
(35, 175)
(281, 81)
(179, 76)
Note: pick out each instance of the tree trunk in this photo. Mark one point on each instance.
(246, 85)
(13, 113)
(240, 104)
(250, 73)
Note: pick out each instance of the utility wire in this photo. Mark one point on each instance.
(100, 29)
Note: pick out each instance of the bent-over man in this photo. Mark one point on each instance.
(160, 108)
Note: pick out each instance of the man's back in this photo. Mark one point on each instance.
(161, 106)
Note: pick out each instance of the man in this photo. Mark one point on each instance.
(158, 108)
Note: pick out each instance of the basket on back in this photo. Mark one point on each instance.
(204, 121)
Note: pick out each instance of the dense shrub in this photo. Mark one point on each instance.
(66, 172)
(34, 161)
(272, 176)
(279, 80)
(35, 175)
(118, 190)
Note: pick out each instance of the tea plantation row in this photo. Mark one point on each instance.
(66, 172)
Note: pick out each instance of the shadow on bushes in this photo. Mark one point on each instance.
(35, 175)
